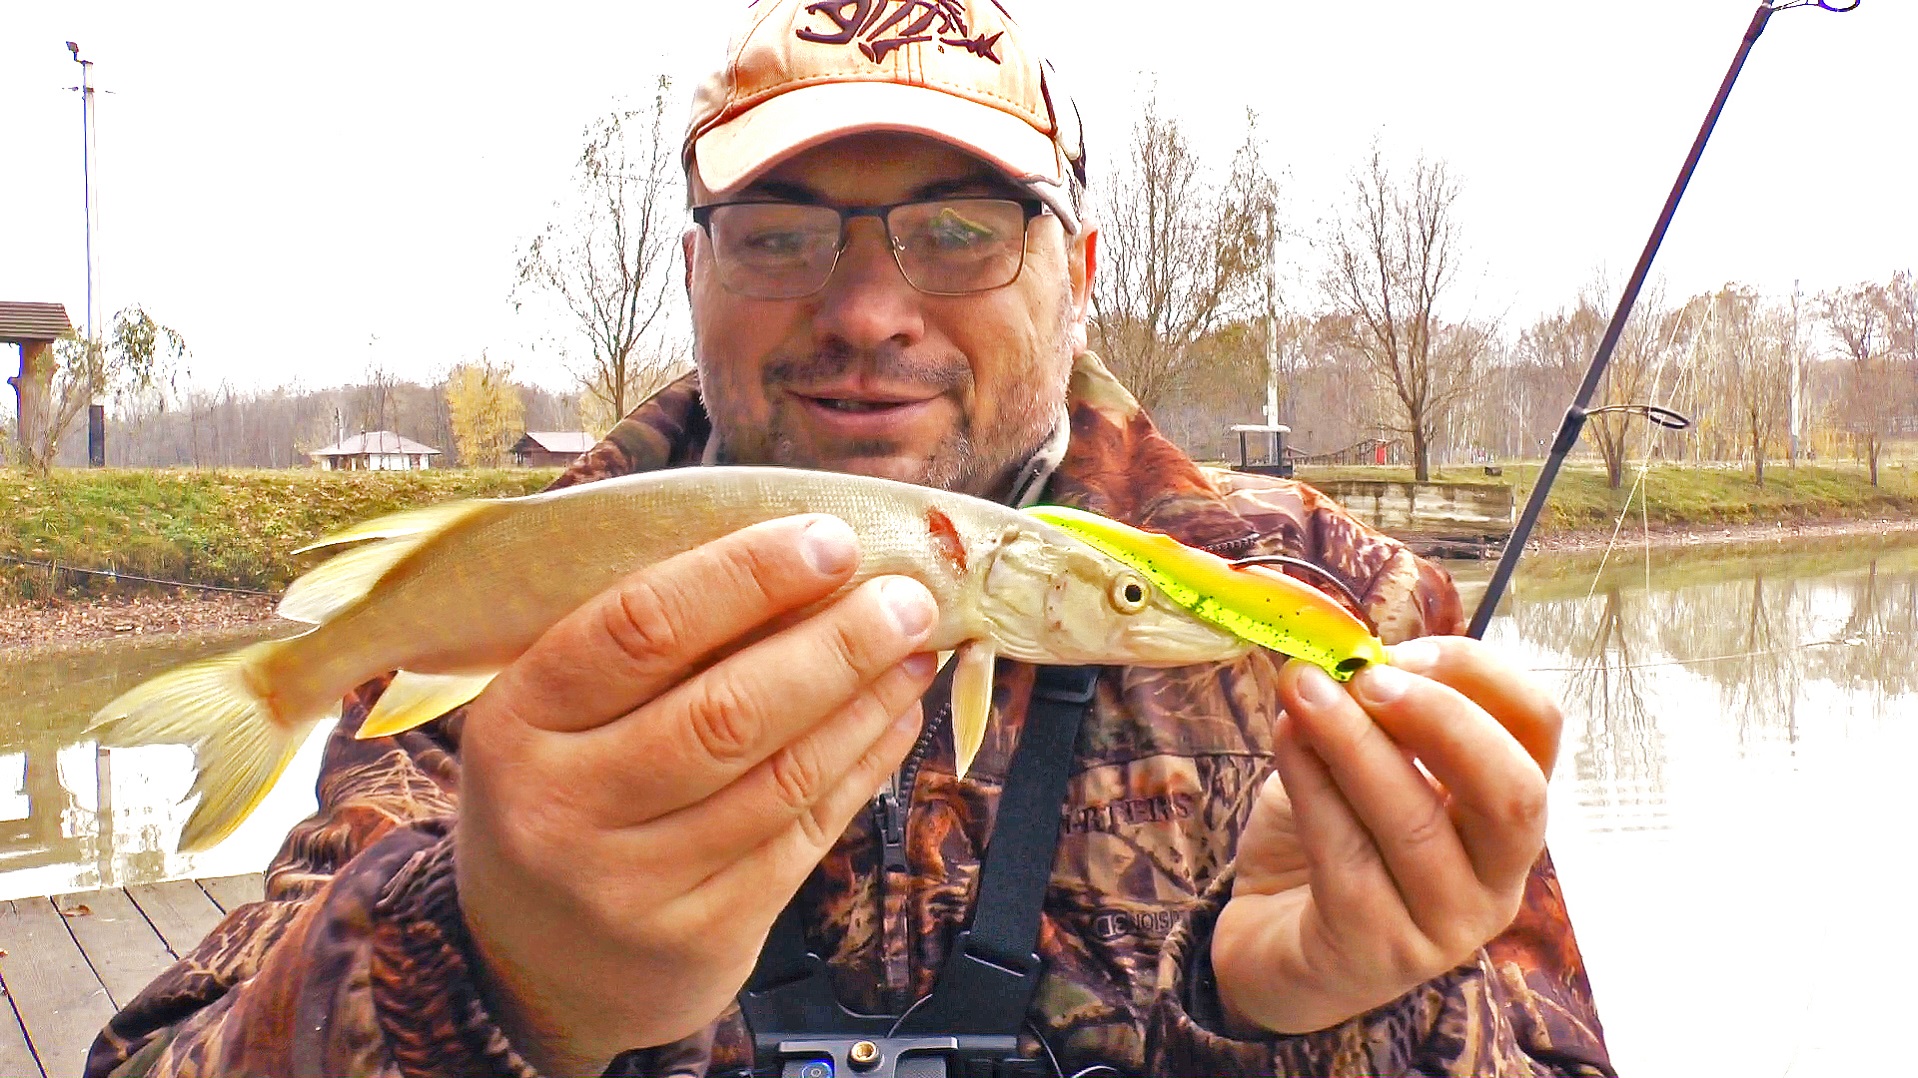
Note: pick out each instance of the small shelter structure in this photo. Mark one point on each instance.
(34, 327)
(1263, 449)
(374, 451)
(551, 448)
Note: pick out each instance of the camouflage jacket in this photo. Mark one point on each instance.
(357, 960)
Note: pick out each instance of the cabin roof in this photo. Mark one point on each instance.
(374, 441)
(22, 322)
(556, 441)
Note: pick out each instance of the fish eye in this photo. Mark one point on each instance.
(1127, 594)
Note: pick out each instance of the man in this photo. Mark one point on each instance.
(889, 274)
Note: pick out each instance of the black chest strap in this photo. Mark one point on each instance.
(993, 967)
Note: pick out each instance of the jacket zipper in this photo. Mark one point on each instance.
(889, 812)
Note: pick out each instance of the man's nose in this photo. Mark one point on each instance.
(868, 302)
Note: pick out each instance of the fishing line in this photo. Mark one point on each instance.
(114, 574)
(1656, 417)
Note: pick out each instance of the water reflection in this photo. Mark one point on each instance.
(74, 816)
(1738, 731)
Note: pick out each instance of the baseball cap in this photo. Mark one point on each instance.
(804, 72)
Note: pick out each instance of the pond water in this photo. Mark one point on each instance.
(1730, 816)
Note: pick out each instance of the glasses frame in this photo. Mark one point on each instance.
(1034, 208)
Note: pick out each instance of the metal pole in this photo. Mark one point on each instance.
(1574, 424)
(97, 409)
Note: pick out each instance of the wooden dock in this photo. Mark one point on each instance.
(71, 961)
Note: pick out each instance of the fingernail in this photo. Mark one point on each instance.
(829, 546)
(1316, 687)
(922, 666)
(1381, 684)
(1417, 656)
(909, 604)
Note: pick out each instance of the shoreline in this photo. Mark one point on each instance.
(36, 628)
(1582, 541)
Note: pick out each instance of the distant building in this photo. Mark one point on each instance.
(550, 448)
(374, 451)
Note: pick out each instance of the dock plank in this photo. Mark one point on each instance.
(125, 951)
(181, 912)
(61, 1003)
(232, 892)
(15, 1056)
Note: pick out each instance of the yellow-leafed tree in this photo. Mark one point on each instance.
(485, 411)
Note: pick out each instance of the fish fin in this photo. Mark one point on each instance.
(409, 522)
(342, 580)
(416, 699)
(971, 700)
(240, 747)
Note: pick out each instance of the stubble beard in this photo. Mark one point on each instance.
(965, 460)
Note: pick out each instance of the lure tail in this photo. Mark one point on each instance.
(239, 746)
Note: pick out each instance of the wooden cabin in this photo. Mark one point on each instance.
(551, 449)
(374, 451)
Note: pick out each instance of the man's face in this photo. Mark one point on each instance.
(869, 375)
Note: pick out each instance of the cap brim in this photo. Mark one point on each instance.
(735, 153)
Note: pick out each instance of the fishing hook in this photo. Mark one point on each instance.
(1317, 572)
(1575, 416)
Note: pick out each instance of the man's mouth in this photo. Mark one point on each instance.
(845, 404)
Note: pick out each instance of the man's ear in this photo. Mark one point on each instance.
(689, 247)
(1082, 267)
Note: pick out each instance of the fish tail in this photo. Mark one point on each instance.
(240, 744)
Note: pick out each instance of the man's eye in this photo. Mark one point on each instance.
(775, 242)
(952, 231)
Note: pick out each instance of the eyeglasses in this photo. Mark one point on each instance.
(942, 246)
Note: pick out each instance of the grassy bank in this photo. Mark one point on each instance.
(228, 528)
(1681, 496)
(240, 528)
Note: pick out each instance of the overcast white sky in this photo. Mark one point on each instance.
(301, 190)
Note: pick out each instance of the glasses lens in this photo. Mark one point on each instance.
(775, 250)
(954, 246)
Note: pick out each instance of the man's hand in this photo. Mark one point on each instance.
(641, 794)
(1394, 839)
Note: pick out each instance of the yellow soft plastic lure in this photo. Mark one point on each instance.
(1267, 608)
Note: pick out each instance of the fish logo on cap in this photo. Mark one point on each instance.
(881, 26)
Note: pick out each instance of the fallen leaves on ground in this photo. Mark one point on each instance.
(59, 622)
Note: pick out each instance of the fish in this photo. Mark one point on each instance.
(1256, 604)
(451, 594)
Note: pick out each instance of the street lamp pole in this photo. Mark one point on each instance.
(96, 366)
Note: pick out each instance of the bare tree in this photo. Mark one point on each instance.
(1180, 253)
(608, 265)
(1561, 347)
(1861, 317)
(373, 400)
(1753, 364)
(1394, 252)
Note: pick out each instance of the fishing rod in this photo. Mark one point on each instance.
(1575, 416)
